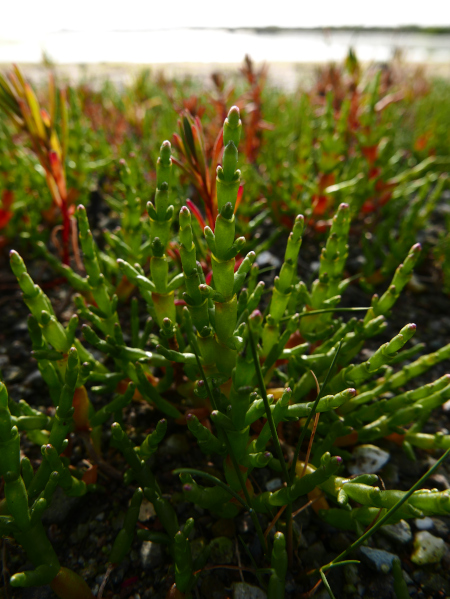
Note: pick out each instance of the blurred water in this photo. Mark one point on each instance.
(222, 46)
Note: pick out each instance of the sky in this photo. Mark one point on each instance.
(30, 18)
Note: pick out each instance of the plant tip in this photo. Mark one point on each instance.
(233, 116)
(256, 314)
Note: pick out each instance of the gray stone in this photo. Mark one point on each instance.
(151, 554)
(378, 559)
(33, 379)
(440, 481)
(407, 577)
(399, 532)
(440, 527)
(242, 590)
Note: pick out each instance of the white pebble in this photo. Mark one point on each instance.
(368, 459)
(424, 523)
(428, 549)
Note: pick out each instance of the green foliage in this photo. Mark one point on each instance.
(377, 141)
(213, 340)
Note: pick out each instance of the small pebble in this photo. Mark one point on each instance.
(400, 532)
(440, 481)
(424, 523)
(151, 554)
(34, 379)
(244, 524)
(242, 590)
(146, 511)
(441, 528)
(378, 559)
(368, 459)
(274, 484)
(267, 258)
(428, 549)
(176, 444)
(11, 374)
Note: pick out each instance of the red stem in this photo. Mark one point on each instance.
(65, 231)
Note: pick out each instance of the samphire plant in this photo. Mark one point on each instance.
(235, 365)
(364, 138)
(19, 102)
(344, 142)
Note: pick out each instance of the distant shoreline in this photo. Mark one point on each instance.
(292, 50)
(273, 29)
(437, 30)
